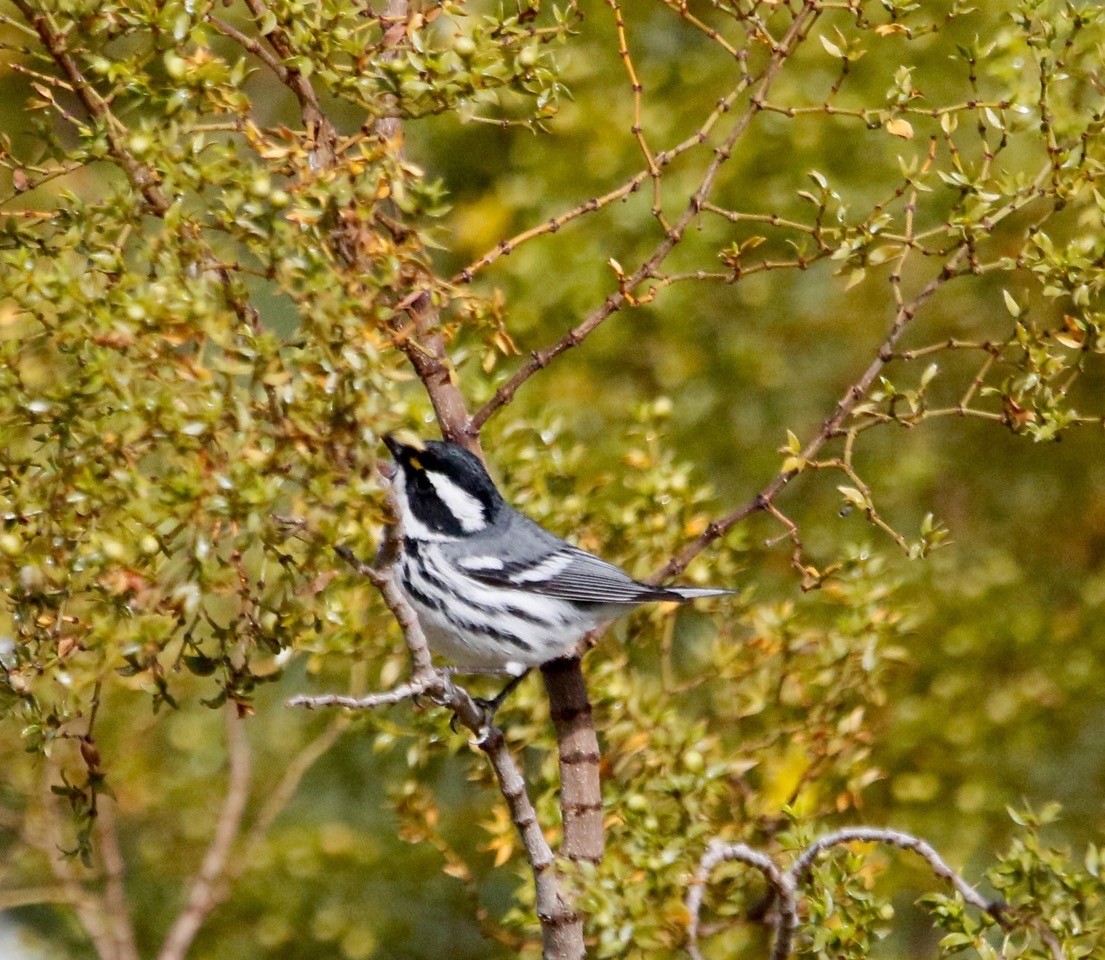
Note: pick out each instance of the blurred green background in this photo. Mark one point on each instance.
(991, 696)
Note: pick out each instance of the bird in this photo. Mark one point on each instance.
(495, 592)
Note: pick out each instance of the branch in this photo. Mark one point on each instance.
(431, 362)
(207, 891)
(852, 396)
(785, 884)
(30, 896)
(115, 895)
(540, 359)
(579, 757)
(142, 177)
(405, 691)
(253, 45)
(782, 883)
(904, 315)
(317, 124)
(561, 926)
(801, 867)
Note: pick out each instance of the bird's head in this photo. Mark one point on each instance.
(444, 492)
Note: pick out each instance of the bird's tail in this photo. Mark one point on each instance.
(693, 593)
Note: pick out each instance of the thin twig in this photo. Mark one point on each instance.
(540, 359)
(252, 44)
(405, 691)
(904, 315)
(92, 911)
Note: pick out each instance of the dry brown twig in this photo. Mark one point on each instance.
(906, 312)
(45, 832)
(800, 25)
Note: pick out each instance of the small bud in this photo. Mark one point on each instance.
(113, 549)
(694, 761)
(464, 47)
(140, 143)
(175, 65)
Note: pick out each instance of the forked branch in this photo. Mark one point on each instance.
(561, 926)
(785, 884)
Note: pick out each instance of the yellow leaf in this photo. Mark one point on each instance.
(503, 850)
(886, 29)
(853, 496)
(900, 128)
(456, 870)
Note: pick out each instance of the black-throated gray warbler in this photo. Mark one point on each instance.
(495, 592)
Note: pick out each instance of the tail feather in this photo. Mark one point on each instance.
(693, 593)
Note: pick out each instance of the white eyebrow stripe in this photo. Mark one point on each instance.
(481, 563)
(465, 507)
(545, 570)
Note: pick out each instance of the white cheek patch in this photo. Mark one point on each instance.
(545, 570)
(411, 526)
(481, 563)
(460, 503)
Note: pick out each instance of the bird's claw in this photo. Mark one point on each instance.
(488, 709)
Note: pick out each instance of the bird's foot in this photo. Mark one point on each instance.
(489, 708)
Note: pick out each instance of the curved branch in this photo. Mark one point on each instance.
(785, 884)
(781, 883)
(799, 870)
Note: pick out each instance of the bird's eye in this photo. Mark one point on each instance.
(422, 482)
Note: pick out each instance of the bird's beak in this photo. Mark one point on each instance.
(393, 445)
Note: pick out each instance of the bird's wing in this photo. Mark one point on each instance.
(564, 572)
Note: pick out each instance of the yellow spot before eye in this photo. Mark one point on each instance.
(416, 463)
